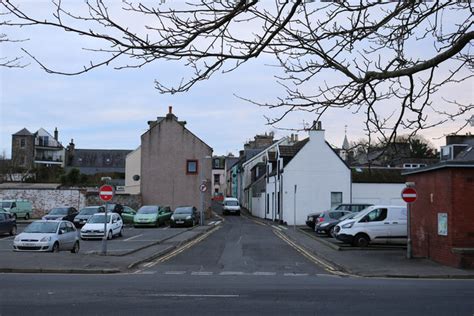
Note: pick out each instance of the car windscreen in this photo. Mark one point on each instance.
(184, 210)
(5, 204)
(42, 227)
(148, 210)
(343, 207)
(97, 219)
(89, 211)
(347, 216)
(231, 203)
(58, 211)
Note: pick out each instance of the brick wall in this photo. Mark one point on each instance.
(448, 191)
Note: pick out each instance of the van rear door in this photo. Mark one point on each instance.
(398, 225)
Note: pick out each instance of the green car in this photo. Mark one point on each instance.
(127, 213)
(152, 215)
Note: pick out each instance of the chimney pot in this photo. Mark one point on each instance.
(170, 110)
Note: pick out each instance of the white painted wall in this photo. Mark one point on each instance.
(132, 167)
(258, 206)
(317, 171)
(272, 198)
(378, 193)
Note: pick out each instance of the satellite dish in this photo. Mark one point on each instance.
(136, 177)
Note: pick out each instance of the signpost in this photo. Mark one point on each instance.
(106, 193)
(203, 189)
(409, 196)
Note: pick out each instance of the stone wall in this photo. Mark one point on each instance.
(133, 201)
(44, 199)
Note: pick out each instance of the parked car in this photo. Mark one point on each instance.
(48, 236)
(65, 213)
(152, 215)
(230, 205)
(19, 208)
(327, 217)
(311, 220)
(86, 213)
(377, 223)
(128, 214)
(7, 223)
(94, 228)
(327, 227)
(184, 216)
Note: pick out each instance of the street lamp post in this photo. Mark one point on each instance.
(202, 188)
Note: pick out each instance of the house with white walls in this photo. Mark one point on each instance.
(304, 177)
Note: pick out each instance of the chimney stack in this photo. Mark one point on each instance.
(170, 110)
(56, 133)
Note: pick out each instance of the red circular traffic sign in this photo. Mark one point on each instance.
(106, 192)
(409, 195)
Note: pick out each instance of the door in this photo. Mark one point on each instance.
(376, 225)
(116, 224)
(398, 226)
(71, 235)
(3, 224)
(63, 240)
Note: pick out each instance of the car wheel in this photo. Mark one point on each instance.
(55, 247)
(13, 231)
(332, 233)
(121, 232)
(361, 240)
(27, 216)
(193, 223)
(75, 249)
(110, 235)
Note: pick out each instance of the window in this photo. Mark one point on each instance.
(191, 166)
(376, 215)
(217, 163)
(22, 142)
(217, 179)
(336, 198)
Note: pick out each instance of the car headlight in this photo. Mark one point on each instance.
(47, 238)
(348, 225)
(17, 239)
(188, 217)
(172, 217)
(324, 225)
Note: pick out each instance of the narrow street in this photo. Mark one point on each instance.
(241, 268)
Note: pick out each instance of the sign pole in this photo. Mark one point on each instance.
(409, 253)
(104, 239)
(409, 195)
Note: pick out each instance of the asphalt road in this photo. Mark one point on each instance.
(242, 268)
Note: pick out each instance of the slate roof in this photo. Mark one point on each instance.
(292, 150)
(377, 175)
(23, 132)
(91, 161)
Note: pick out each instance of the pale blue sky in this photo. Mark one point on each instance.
(107, 108)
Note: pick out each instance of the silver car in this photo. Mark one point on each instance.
(48, 236)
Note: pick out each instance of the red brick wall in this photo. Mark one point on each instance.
(451, 191)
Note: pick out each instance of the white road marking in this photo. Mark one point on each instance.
(295, 274)
(130, 238)
(283, 227)
(175, 272)
(231, 273)
(201, 273)
(218, 222)
(148, 272)
(194, 295)
(264, 273)
(148, 264)
(276, 227)
(212, 223)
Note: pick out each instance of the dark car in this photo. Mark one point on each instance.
(327, 227)
(311, 220)
(61, 213)
(86, 213)
(7, 223)
(184, 216)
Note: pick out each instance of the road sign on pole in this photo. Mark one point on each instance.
(203, 187)
(106, 192)
(409, 195)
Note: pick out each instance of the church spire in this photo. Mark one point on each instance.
(345, 143)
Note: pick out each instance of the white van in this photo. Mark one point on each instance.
(377, 223)
(19, 208)
(230, 205)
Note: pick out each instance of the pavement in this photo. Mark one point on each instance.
(378, 261)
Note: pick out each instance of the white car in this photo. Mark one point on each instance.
(230, 205)
(377, 223)
(48, 236)
(94, 228)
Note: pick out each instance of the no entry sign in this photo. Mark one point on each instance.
(106, 192)
(409, 195)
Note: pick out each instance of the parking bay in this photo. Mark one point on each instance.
(133, 239)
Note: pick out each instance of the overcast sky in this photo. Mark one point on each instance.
(109, 109)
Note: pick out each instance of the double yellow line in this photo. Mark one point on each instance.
(309, 255)
(187, 246)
